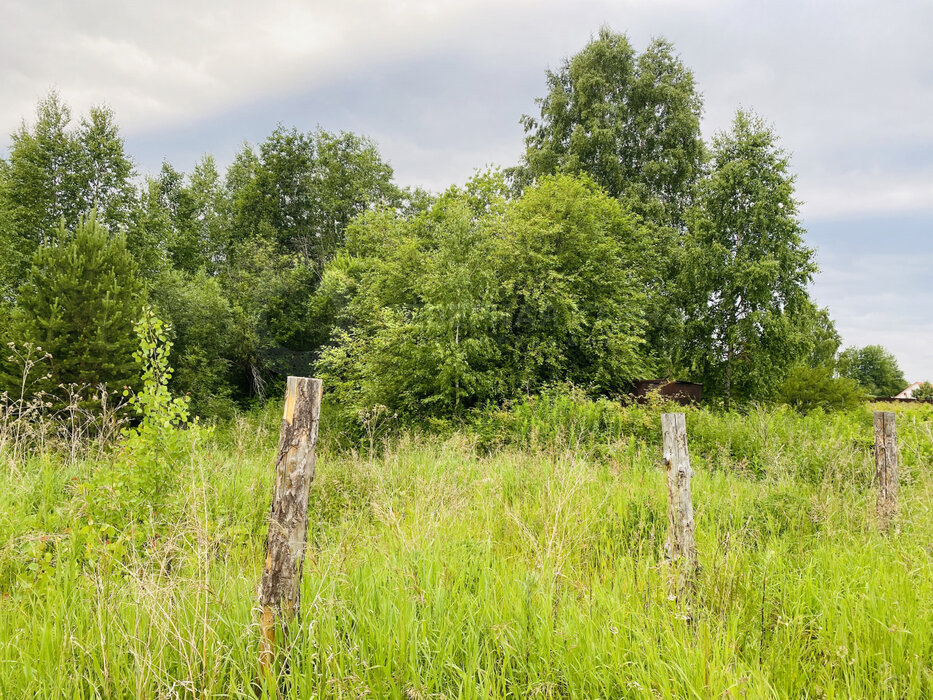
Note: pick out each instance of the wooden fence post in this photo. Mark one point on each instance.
(279, 590)
(681, 548)
(886, 465)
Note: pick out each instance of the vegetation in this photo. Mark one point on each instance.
(620, 247)
(746, 268)
(79, 303)
(924, 392)
(488, 517)
(56, 173)
(807, 388)
(478, 299)
(532, 565)
(874, 368)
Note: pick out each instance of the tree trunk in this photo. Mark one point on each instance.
(279, 590)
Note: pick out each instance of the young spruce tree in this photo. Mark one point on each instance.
(79, 303)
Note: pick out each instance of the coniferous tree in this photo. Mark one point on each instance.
(79, 303)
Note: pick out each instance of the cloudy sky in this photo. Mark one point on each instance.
(441, 86)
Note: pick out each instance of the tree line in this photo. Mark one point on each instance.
(622, 246)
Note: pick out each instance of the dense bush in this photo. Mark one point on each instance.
(924, 392)
(806, 388)
(480, 299)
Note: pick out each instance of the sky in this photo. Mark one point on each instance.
(848, 87)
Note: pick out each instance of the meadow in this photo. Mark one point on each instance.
(518, 554)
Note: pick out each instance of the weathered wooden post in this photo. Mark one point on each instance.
(280, 587)
(886, 465)
(681, 548)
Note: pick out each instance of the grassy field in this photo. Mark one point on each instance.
(521, 556)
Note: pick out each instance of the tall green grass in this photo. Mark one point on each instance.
(519, 557)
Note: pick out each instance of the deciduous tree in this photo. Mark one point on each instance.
(480, 299)
(874, 368)
(746, 268)
(57, 173)
(631, 122)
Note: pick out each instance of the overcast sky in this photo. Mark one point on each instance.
(440, 86)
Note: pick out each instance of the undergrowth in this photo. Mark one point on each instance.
(520, 555)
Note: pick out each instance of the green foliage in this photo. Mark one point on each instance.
(924, 392)
(138, 485)
(806, 388)
(874, 368)
(306, 188)
(416, 301)
(824, 338)
(479, 299)
(631, 122)
(55, 173)
(291, 200)
(203, 330)
(564, 417)
(569, 259)
(181, 222)
(746, 268)
(435, 571)
(79, 303)
(581, 270)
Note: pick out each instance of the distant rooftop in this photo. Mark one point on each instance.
(908, 393)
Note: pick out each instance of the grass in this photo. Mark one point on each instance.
(523, 558)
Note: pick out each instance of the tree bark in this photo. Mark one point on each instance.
(280, 588)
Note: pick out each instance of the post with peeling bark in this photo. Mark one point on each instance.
(681, 548)
(280, 587)
(886, 465)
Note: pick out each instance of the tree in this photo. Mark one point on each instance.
(746, 268)
(182, 222)
(414, 300)
(202, 329)
(824, 339)
(631, 122)
(291, 201)
(569, 259)
(924, 392)
(306, 188)
(874, 368)
(807, 388)
(480, 299)
(55, 173)
(79, 303)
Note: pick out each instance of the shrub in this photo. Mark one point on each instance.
(807, 388)
(480, 299)
(137, 485)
